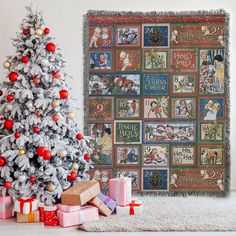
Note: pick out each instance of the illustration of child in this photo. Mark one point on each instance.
(103, 61)
(132, 157)
(124, 58)
(212, 109)
(95, 37)
(123, 156)
(156, 108)
(118, 88)
(128, 86)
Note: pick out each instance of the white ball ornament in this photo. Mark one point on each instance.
(70, 115)
(22, 178)
(39, 32)
(7, 64)
(54, 103)
(51, 187)
(62, 153)
(8, 107)
(75, 166)
(44, 62)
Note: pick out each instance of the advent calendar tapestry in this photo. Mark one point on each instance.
(157, 99)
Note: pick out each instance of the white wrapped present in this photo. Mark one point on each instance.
(134, 208)
(26, 205)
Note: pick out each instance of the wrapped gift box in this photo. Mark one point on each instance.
(110, 203)
(67, 208)
(27, 218)
(41, 211)
(134, 208)
(84, 215)
(102, 208)
(80, 193)
(6, 207)
(50, 216)
(26, 205)
(120, 190)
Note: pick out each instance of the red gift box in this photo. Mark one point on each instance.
(41, 211)
(50, 216)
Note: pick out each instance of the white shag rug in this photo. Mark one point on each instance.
(174, 214)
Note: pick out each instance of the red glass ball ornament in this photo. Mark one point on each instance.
(17, 134)
(36, 130)
(25, 31)
(51, 47)
(2, 161)
(63, 94)
(55, 117)
(72, 176)
(46, 30)
(8, 124)
(10, 97)
(79, 136)
(36, 80)
(86, 156)
(7, 184)
(25, 59)
(40, 150)
(1, 92)
(32, 179)
(13, 76)
(47, 155)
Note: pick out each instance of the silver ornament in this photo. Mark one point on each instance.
(22, 178)
(75, 166)
(8, 107)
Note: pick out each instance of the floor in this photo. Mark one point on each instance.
(10, 228)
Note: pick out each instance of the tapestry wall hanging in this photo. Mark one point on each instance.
(156, 89)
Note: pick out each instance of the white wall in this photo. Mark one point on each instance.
(64, 17)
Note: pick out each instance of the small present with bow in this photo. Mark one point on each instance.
(134, 208)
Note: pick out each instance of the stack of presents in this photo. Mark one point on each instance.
(80, 204)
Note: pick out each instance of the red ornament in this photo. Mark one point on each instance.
(40, 150)
(56, 74)
(7, 184)
(17, 134)
(36, 130)
(63, 94)
(25, 59)
(72, 176)
(1, 92)
(10, 97)
(25, 31)
(55, 117)
(79, 136)
(46, 30)
(8, 124)
(13, 76)
(2, 161)
(36, 80)
(86, 156)
(47, 155)
(37, 113)
(32, 179)
(51, 47)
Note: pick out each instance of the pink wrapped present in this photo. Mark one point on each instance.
(67, 208)
(6, 207)
(134, 208)
(86, 214)
(120, 190)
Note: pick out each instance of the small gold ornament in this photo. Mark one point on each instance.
(62, 153)
(7, 64)
(75, 166)
(70, 115)
(51, 187)
(39, 32)
(54, 103)
(21, 151)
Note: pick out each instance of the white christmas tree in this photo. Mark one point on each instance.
(42, 151)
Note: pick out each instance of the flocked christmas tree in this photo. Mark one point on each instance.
(42, 151)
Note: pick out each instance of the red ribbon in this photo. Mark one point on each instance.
(132, 205)
(23, 201)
